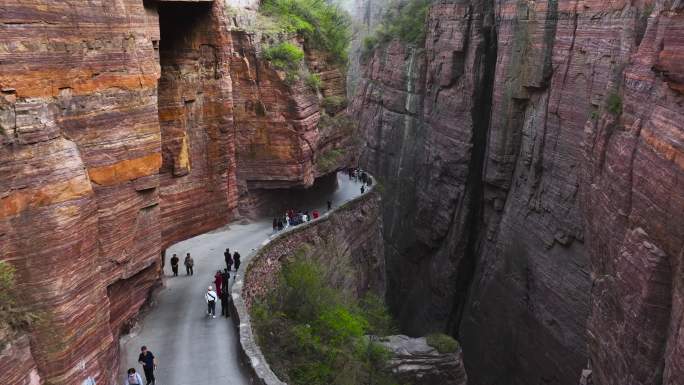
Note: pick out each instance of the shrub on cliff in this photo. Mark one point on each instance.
(323, 25)
(286, 56)
(402, 20)
(312, 333)
(442, 342)
(13, 315)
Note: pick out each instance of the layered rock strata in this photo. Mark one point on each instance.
(16, 363)
(413, 361)
(514, 131)
(120, 134)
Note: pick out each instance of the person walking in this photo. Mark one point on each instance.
(315, 214)
(363, 188)
(236, 260)
(228, 258)
(174, 265)
(225, 295)
(149, 364)
(189, 263)
(329, 205)
(218, 282)
(211, 302)
(133, 378)
(275, 224)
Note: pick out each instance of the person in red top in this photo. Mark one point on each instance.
(315, 214)
(218, 280)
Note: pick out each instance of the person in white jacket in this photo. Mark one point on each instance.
(211, 298)
(133, 378)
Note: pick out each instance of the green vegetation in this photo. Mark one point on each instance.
(13, 315)
(594, 115)
(323, 25)
(314, 82)
(285, 56)
(614, 104)
(402, 20)
(314, 334)
(442, 342)
(333, 104)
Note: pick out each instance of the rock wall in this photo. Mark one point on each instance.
(516, 131)
(121, 131)
(17, 365)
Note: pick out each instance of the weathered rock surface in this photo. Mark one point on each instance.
(498, 151)
(17, 365)
(415, 362)
(121, 132)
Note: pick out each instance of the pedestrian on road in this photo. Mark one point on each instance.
(218, 281)
(329, 205)
(189, 263)
(133, 378)
(315, 214)
(174, 265)
(228, 258)
(211, 302)
(275, 224)
(363, 188)
(149, 364)
(236, 260)
(225, 295)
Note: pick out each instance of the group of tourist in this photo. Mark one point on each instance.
(149, 364)
(295, 218)
(188, 262)
(359, 175)
(222, 285)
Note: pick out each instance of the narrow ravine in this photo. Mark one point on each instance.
(191, 348)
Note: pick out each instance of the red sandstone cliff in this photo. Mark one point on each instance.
(484, 139)
(122, 129)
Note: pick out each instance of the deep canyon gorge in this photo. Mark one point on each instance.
(529, 156)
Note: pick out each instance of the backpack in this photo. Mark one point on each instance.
(133, 379)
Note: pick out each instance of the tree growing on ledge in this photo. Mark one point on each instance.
(324, 26)
(313, 334)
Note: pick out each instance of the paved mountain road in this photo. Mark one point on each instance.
(191, 348)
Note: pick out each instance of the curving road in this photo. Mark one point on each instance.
(191, 348)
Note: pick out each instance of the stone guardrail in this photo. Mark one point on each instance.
(249, 349)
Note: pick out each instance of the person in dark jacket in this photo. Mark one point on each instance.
(174, 265)
(189, 264)
(225, 295)
(229, 259)
(149, 364)
(236, 260)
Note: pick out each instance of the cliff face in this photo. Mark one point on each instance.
(120, 134)
(499, 148)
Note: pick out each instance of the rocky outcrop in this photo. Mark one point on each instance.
(121, 132)
(413, 361)
(501, 146)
